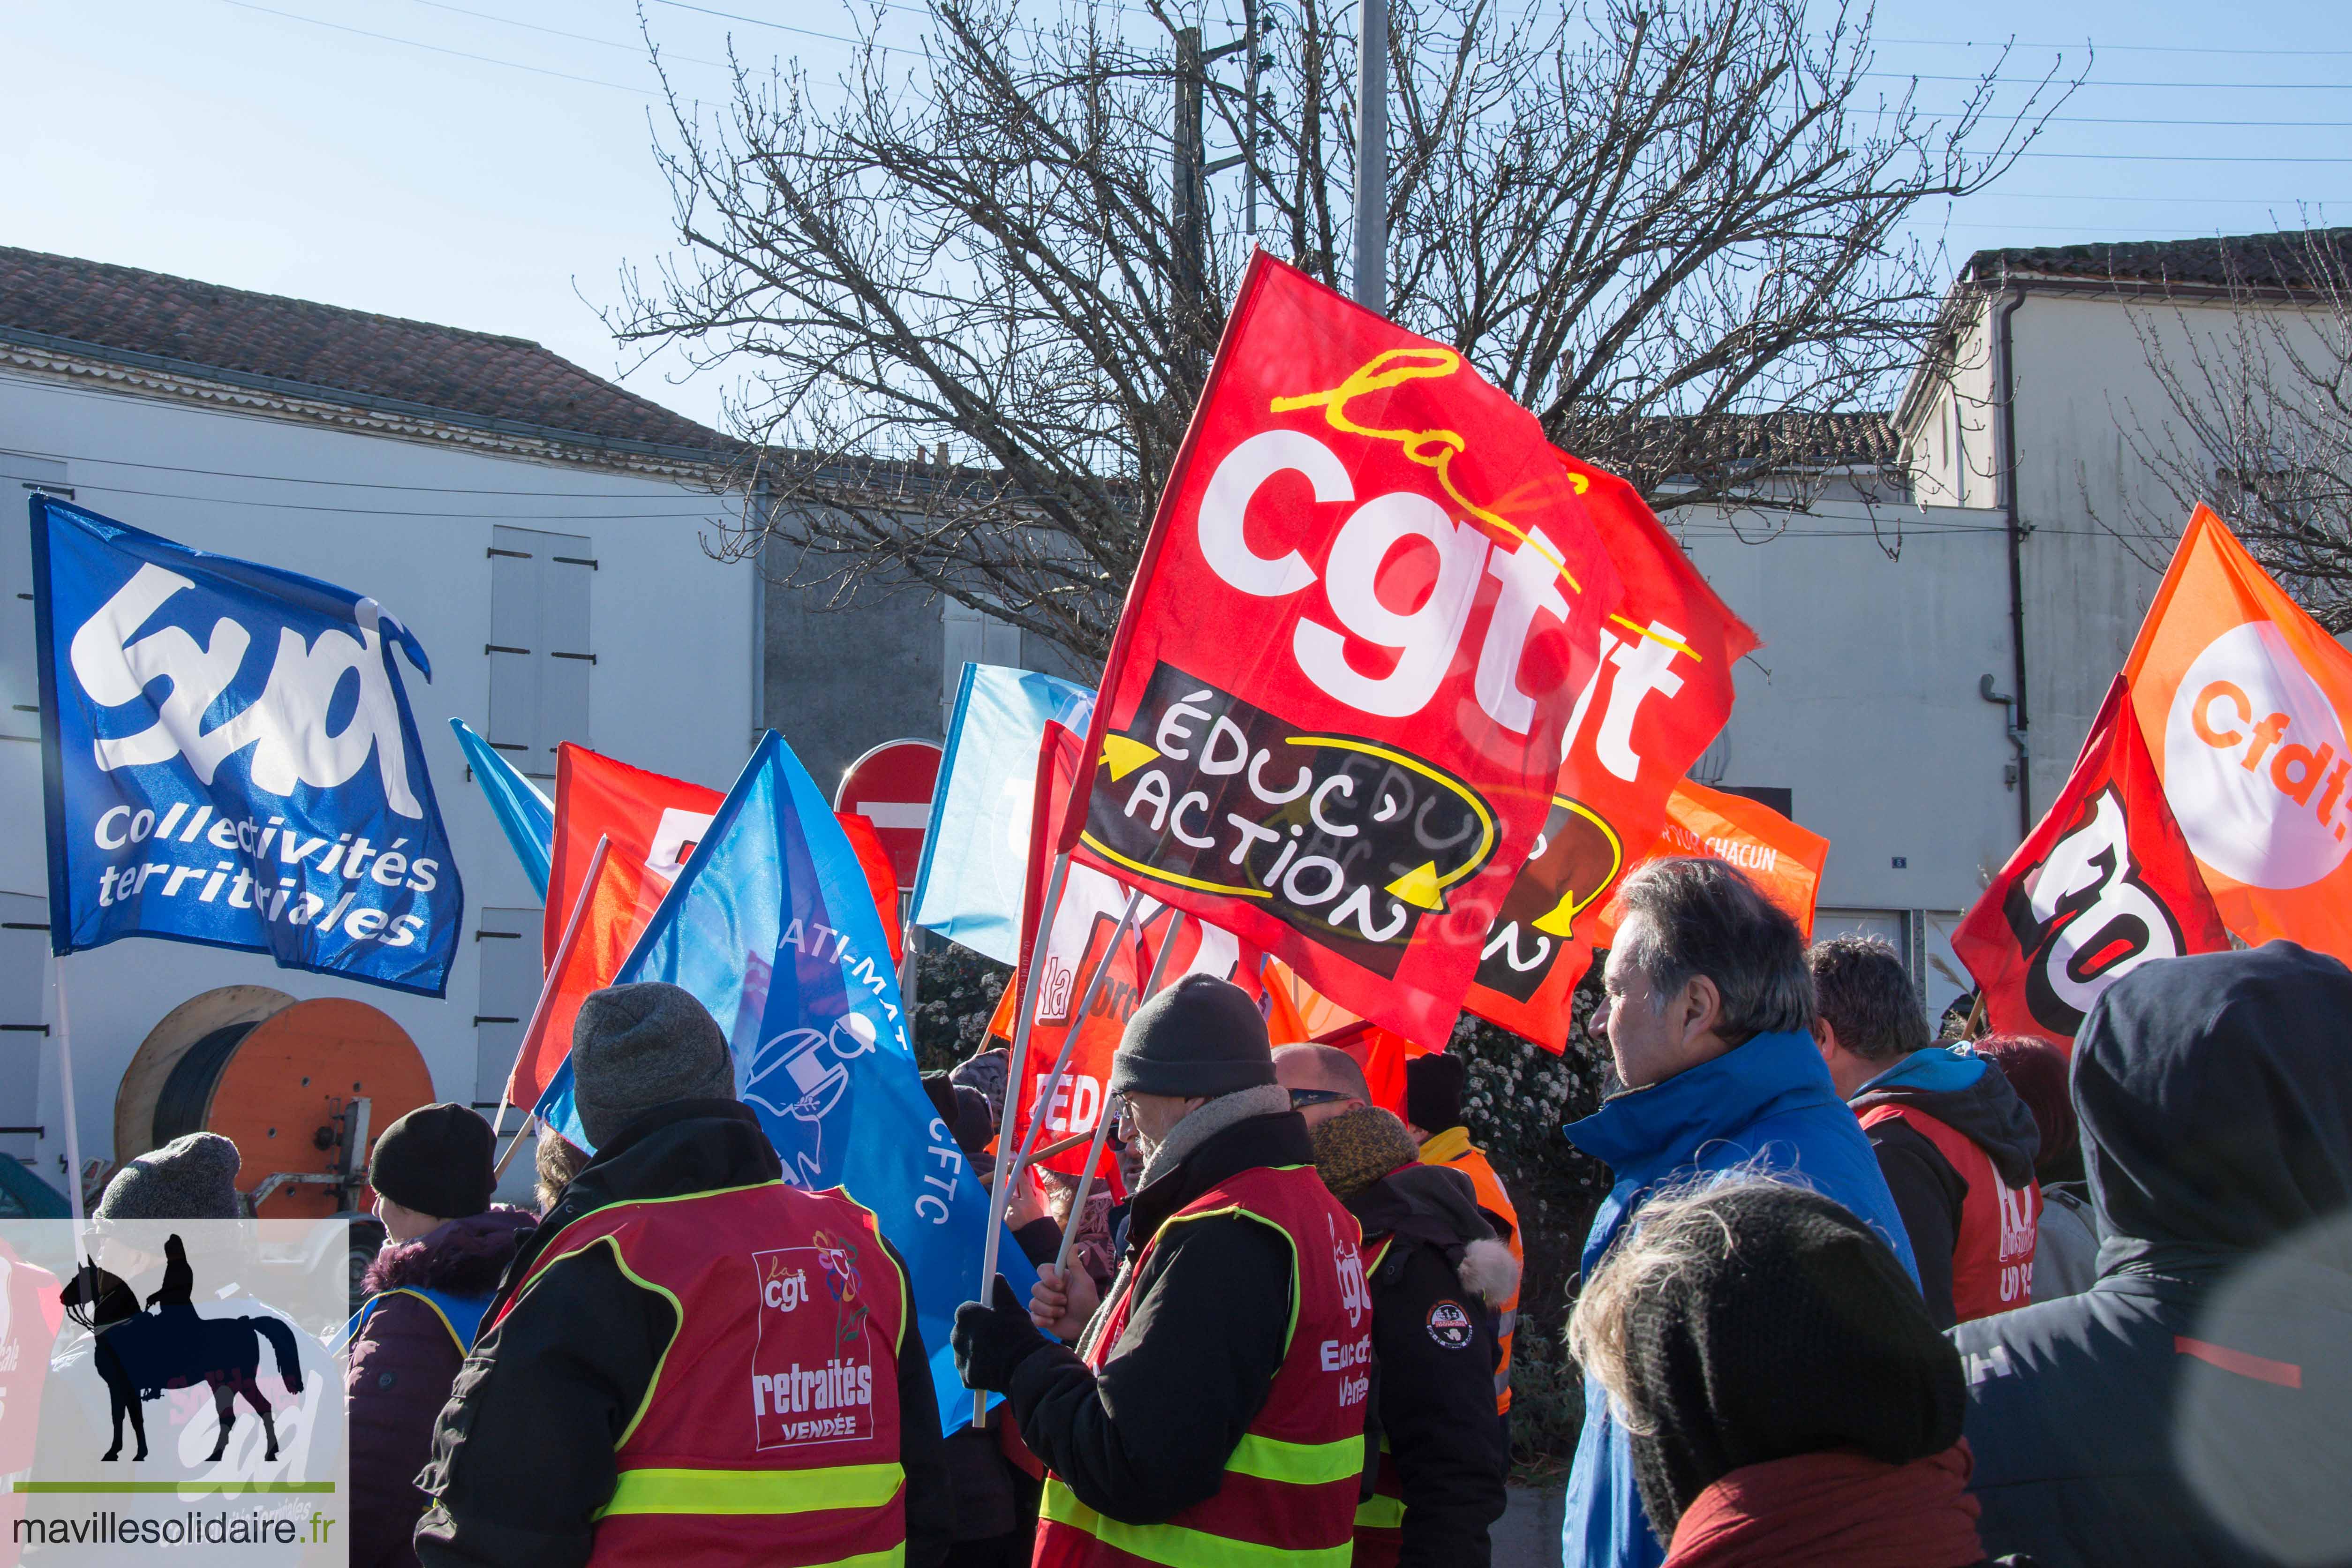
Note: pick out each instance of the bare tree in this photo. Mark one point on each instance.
(981, 280)
(2255, 360)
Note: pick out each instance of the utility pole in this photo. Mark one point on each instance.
(1371, 278)
(1188, 179)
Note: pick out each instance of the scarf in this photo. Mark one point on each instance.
(1835, 1509)
(1226, 1111)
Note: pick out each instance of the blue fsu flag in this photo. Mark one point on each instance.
(976, 851)
(772, 925)
(228, 757)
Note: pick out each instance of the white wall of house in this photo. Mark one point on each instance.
(410, 522)
(1863, 703)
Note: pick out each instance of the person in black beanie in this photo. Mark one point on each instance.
(1786, 1395)
(1213, 1348)
(1434, 1083)
(444, 1247)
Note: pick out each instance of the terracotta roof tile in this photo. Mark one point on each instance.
(479, 376)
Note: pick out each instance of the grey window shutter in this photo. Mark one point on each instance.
(539, 648)
(508, 942)
(564, 579)
(23, 945)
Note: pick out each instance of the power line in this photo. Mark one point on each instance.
(358, 484)
(2094, 45)
(403, 512)
(637, 48)
(440, 50)
(2035, 81)
(2185, 158)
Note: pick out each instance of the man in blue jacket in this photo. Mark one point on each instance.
(1709, 1015)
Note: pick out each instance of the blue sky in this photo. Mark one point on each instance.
(249, 144)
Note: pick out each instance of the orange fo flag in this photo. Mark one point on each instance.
(1782, 858)
(2242, 699)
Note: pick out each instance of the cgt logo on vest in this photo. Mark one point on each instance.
(2254, 764)
(812, 1370)
(1352, 1361)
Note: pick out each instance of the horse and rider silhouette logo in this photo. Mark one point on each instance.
(141, 1351)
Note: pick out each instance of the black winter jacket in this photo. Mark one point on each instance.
(1434, 1298)
(1148, 1437)
(1968, 1094)
(2194, 1406)
(522, 1455)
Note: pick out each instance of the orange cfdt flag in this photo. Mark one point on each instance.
(2243, 697)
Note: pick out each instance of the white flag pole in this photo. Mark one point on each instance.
(1013, 1066)
(1102, 1114)
(73, 1121)
(571, 924)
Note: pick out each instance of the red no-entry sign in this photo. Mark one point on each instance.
(891, 787)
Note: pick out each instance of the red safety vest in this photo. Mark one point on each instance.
(1290, 1484)
(1993, 1257)
(770, 1433)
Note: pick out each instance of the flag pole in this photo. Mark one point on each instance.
(1102, 1114)
(73, 1121)
(1019, 1059)
(571, 924)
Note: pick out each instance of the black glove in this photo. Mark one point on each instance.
(990, 1341)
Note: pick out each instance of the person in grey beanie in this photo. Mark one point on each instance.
(193, 1177)
(673, 1233)
(1224, 1324)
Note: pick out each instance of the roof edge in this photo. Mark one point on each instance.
(722, 457)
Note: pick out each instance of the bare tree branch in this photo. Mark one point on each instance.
(1670, 227)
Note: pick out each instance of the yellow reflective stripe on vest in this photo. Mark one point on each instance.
(1177, 1547)
(1380, 1512)
(1302, 1464)
(755, 1491)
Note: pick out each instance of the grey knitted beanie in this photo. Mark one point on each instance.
(638, 1046)
(193, 1177)
(1200, 1037)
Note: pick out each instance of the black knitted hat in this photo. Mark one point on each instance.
(1432, 1091)
(1199, 1038)
(436, 1159)
(1802, 1334)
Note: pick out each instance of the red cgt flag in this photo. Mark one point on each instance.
(620, 898)
(1331, 717)
(1657, 698)
(1068, 956)
(2105, 883)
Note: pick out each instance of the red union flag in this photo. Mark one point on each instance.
(652, 820)
(1658, 696)
(1331, 717)
(2104, 884)
(1068, 955)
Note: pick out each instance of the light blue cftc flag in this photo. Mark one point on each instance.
(772, 925)
(976, 851)
(526, 816)
(228, 757)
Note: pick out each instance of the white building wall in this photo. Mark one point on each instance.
(1862, 702)
(408, 521)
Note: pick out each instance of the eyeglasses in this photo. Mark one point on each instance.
(1300, 1099)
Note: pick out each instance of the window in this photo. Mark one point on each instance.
(973, 637)
(539, 649)
(20, 690)
(23, 948)
(508, 940)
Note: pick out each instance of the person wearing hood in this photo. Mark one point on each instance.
(1788, 1398)
(1214, 1409)
(445, 1247)
(2190, 1407)
(1434, 1082)
(1438, 1276)
(1708, 1008)
(1953, 1140)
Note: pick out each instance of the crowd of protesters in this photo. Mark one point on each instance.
(1855, 1296)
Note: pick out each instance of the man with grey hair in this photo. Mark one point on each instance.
(1708, 1014)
